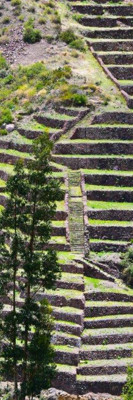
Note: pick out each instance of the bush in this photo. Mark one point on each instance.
(5, 116)
(31, 35)
(68, 36)
(16, 2)
(71, 96)
(127, 266)
(3, 63)
(127, 393)
(78, 44)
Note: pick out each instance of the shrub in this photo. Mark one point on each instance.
(3, 132)
(127, 266)
(68, 36)
(127, 393)
(31, 35)
(78, 44)
(71, 96)
(3, 63)
(16, 2)
(6, 20)
(5, 116)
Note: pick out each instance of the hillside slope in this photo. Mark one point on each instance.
(73, 85)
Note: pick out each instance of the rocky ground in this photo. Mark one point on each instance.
(53, 394)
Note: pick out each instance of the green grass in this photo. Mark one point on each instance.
(106, 241)
(110, 223)
(103, 205)
(70, 277)
(106, 172)
(58, 223)
(108, 188)
(67, 293)
(16, 153)
(66, 348)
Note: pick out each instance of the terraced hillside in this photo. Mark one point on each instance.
(93, 158)
(108, 29)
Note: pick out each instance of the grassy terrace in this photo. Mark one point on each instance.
(107, 241)
(110, 223)
(114, 188)
(95, 141)
(106, 172)
(105, 156)
(103, 205)
(108, 188)
(16, 153)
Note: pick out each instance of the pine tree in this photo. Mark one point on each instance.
(25, 261)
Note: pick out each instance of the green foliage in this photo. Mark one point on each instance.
(16, 2)
(78, 44)
(5, 116)
(26, 223)
(3, 63)
(30, 34)
(127, 393)
(19, 87)
(127, 266)
(72, 96)
(68, 36)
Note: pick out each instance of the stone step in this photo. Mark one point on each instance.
(112, 45)
(72, 268)
(104, 132)
(112, 384)
(115, 194)
(112, 214)
(109, 268)
(66, 355)
(118, 10)
(103, 308)
(105, 147)
(110, 296)
(112, 232)
(58, 231)
(115, 58)
(68, 314)
(65, 378)
(10, 144)
(109, 351)
(121, 72)
(109, 321)
(114, 117)
(109, 178)
(92, 270)
(127, 87)
(104, 367)
(106, 21)
(8, 158)
(106, 33)
(108, 245)
(61, 338)
(109, 162)
(107, 336)
(69, 327)
(66, 299)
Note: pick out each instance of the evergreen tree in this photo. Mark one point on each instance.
(26, 265)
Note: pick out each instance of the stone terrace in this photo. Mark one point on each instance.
(108, 29)
(93, 159)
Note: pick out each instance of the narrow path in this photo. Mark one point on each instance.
(76, 213)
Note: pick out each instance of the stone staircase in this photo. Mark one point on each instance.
(108, 29)
(93, 159)
(106, 348)
(103, 151)
(76, 213)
